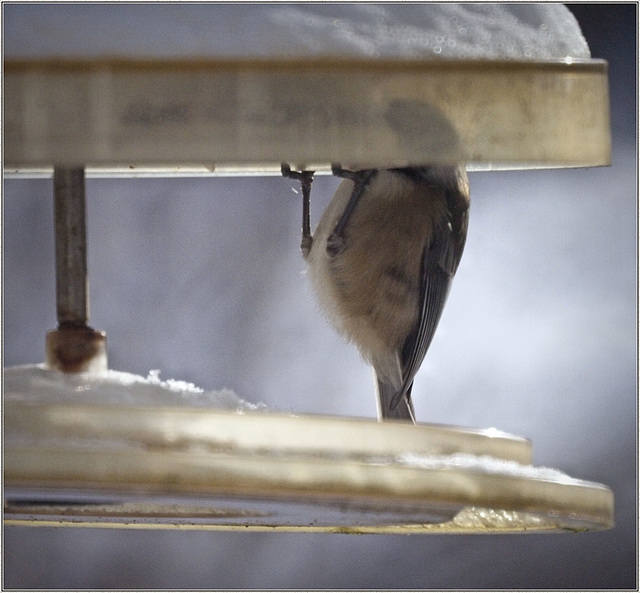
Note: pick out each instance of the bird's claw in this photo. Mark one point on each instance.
(305, 245)
(338, 171)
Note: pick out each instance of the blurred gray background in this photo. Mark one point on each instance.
(202, 278)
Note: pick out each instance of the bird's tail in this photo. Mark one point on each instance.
(386, 393)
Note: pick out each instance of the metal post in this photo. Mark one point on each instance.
(74, 346)
(71, 246)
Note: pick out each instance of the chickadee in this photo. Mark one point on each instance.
(381, 262)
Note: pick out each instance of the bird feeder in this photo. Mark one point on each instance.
(69, 462)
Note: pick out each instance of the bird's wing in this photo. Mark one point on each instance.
(440, 260)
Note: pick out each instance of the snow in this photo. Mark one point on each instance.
(36, 384)
(482, 464)
(461, 31)
(402, 30)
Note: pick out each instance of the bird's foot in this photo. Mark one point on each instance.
(305, 245)
(306, 179)
(335, 244)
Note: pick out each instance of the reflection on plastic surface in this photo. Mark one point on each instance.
(127, 463)
(250, 116)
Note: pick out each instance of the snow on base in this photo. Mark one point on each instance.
(484, 464)
(37, 384)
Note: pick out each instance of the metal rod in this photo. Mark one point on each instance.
(71, 246)
(74, 347)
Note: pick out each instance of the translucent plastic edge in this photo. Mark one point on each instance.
(258, 170)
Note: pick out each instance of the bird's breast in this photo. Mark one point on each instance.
(374, 282)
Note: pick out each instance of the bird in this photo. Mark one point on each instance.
(381, 262)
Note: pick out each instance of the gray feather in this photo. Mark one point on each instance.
(440, 261)
(386, 394)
